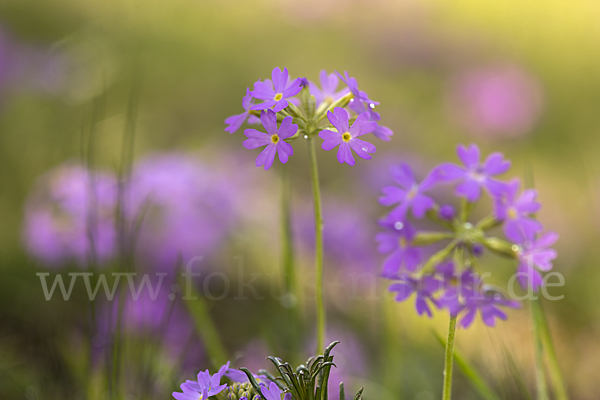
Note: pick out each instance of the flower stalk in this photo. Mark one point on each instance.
(320, 306)
(449, 358)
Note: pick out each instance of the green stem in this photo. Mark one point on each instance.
(447, 391)
(290, 295)
(540, 373)
(286, 230)
(314, 177)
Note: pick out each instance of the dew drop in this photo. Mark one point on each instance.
(371, 105)
(497, 297)
(398, 226)
(351, 100)
(514, 248)
(305, 136)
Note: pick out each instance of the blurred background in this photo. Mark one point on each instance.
(77, 78)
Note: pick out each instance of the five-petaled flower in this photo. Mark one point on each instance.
(205, 387)
(273, 139)
(347, 136)
(533, 256)
(424, 287)
(474, 175)
(328, 91)
(515, 212)
(488, 303)
(410, 194)
(275, 96)
(396, 241)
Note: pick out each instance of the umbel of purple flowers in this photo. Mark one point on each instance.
(451, 278)
(289, 109)
(306, 382)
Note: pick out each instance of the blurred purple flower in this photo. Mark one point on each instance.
(488, 304)
(185, 208)
(515, 212)
(456, 285)
(273, 139)
(474, 175)
(276, 96)
(328, 91)
(396, 241)
(424, 288)
(410, 193)
(535, 256)
(347, 137)
(69, 217)
(500, 101)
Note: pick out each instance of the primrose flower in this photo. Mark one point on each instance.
(424, 288)
(205, 387)
(359, 95)
(275, 96)
(487, 304)
(515, 212)
(381, 132)
(328, 91)
(536, 256)
(474, 175)
(273, 139)
(347, 137)
(235, 121)
(410, 193)
(455, 284)
(397, 242)
(274, 393)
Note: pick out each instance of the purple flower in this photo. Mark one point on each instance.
(410, 193)
(359, 95)
(424, 288)
(455, 284)
(273, 139)
(396, 241)
(235, 121)
(381, 132)
(488, 304)
(328, 91)
(184, 207)
(204, 387)
(515, 212)
(276, 96)
(274, 393)
(535, 256)
(474, 175)
(347, 137)
(69, 217)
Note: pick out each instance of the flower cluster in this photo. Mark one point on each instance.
(450, 277)
(302, 108)
(308, 381)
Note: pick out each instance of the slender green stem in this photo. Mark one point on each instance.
(286, 231)
(314, 177)
(540, 373)
(447, 391)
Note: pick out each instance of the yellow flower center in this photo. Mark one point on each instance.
(346, 137)
(275, 139)
(512, 213)
(278, 97)
(402, 242)
(412, 193)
